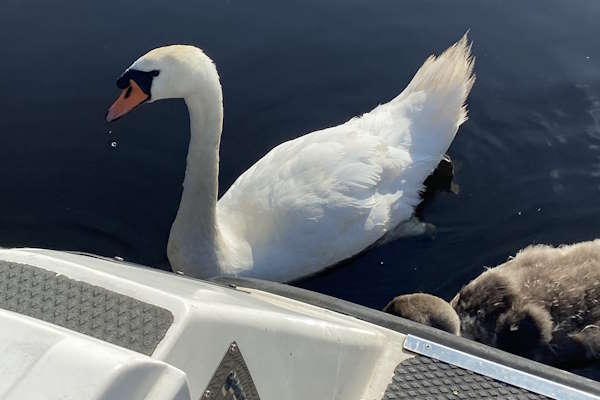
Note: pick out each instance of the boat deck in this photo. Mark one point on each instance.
(424, 378)
(444, 366)
(81, 307)
(163, 317)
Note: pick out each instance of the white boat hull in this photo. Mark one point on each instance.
(191, 333)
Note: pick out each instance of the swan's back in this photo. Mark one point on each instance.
(324, 197)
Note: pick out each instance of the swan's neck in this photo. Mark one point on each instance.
(194, 241)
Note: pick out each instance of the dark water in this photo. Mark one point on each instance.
(527, 161)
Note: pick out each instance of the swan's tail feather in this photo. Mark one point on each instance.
(438, 94)
(448, 77)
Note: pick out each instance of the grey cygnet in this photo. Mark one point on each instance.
(544, 304)
(425, 309)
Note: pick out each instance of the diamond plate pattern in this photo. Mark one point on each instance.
(422, 378)
(79, 306)
(232, 379)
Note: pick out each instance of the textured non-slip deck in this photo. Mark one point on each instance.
(422, 378)
(81, 307)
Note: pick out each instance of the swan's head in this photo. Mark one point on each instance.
(163, 73)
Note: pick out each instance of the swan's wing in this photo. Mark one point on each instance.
(324, 197)
(306, 195)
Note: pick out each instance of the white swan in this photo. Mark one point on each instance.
(310, 202)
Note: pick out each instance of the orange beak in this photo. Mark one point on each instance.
(131, 97)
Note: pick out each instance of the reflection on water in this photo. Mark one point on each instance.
(527, 161)
(593, 130)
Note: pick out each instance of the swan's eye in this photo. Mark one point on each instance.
(142, 78)
(128, 92)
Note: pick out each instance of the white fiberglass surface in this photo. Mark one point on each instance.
(293, 350)
(44, 362)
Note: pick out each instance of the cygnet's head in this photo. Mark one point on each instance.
(524, 329)
(163, 73)
(480, 304)
(427, 310)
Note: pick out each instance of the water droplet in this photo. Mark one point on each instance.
(113, 144)
(381, 262)
(519, 213)
(118, 258)
(539, 209)
(109, 132)
(587, 57)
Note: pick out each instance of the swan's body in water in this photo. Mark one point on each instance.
(310, 202)
(543, 304)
